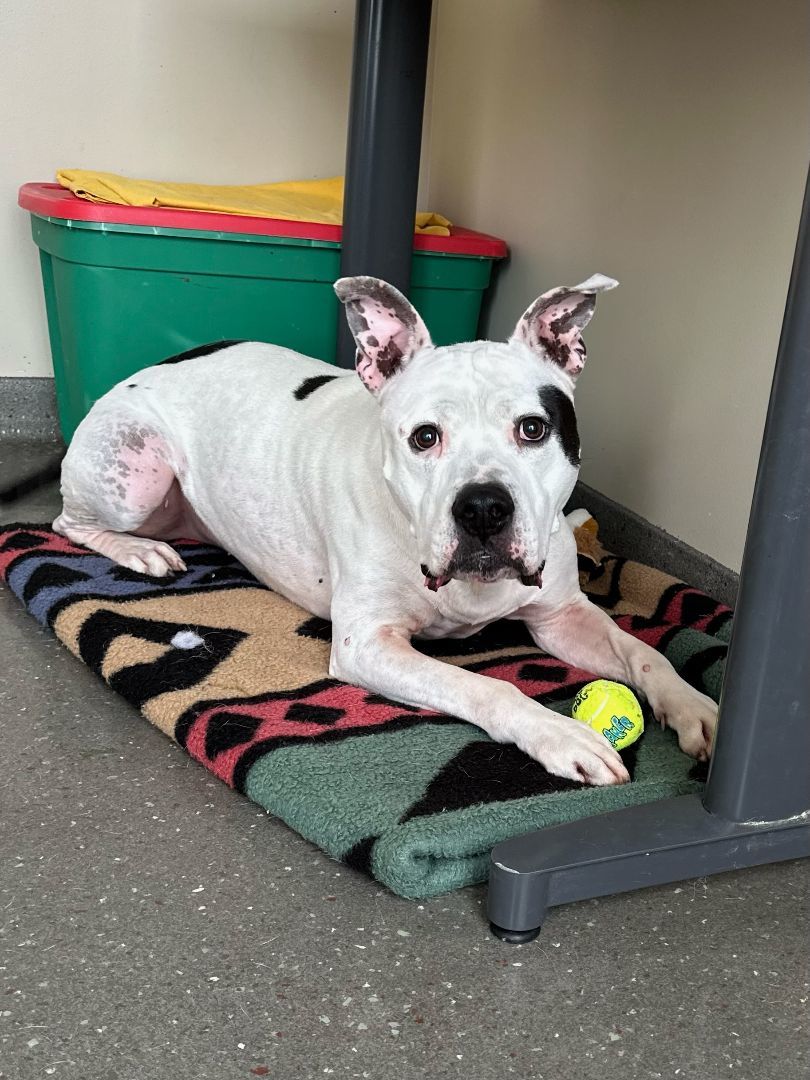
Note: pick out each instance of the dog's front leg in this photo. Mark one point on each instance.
(582, 634)
(380, 658)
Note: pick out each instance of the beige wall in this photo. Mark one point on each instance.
(205, 90)
(664, 143)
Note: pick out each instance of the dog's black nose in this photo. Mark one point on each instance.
(483, 509)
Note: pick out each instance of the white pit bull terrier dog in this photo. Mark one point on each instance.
(426, 502)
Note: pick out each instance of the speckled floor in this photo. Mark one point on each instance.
(153, 924)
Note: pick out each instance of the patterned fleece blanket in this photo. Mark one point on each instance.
(238, 676)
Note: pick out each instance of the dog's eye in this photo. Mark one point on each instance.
(531, 429)
(425, 437)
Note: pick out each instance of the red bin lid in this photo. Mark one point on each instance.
(52, 200)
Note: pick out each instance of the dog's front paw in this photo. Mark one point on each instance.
(693, 717)
(571, 749)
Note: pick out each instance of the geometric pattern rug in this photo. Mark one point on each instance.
(238, 677)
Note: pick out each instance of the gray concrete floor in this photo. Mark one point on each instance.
(155, 924)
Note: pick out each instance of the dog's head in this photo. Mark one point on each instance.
(480, 442)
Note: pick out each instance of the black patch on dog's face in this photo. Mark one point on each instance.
(202, 350)
(563, 419)
(309, 386)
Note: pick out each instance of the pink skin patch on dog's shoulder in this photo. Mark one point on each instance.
(148, 475)
(135, 470)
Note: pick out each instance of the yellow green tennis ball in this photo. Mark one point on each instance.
(612, 710)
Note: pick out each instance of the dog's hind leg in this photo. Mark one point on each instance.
(118, 480)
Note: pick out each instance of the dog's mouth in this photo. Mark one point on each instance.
(483, 567)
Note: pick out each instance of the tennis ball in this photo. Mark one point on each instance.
(611, 709)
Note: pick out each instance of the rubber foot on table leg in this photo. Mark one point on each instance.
(514, 937)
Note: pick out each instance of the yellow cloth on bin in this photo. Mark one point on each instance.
(320, 201)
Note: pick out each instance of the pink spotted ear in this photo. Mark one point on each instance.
(387, 328)
(553, 325)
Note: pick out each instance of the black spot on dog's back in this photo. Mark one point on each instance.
(560, 411)
(202, 350)
(309, 386)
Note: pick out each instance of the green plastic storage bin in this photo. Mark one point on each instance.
(127, 286)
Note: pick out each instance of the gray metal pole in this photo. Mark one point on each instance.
(761, 765)
(391, 39)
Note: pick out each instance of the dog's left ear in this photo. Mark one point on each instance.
(553, 325)
(387, 328)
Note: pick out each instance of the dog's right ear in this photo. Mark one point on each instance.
(387, 328)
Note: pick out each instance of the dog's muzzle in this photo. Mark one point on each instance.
(482, 513)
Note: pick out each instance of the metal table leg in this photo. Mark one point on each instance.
(756, 807)
(391, 39)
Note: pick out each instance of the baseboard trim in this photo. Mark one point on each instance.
(28, 409)
(629, 534)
